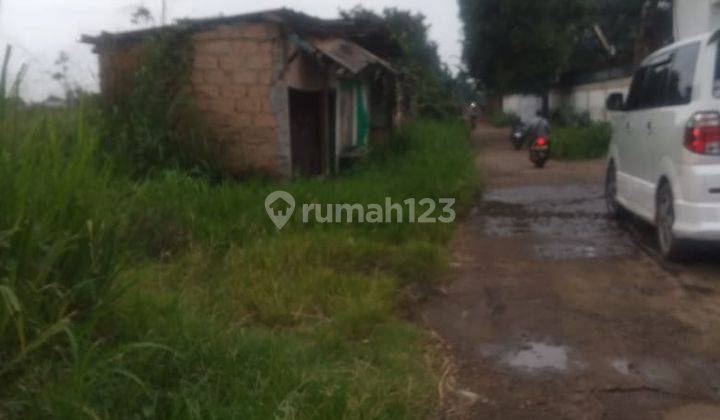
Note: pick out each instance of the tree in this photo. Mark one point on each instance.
(431, 80)
(142, 16)
(516, 45)
(71, 89)
(520, 45)
(633, 27)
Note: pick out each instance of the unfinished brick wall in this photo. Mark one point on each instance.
(232, 77)
(118, 65)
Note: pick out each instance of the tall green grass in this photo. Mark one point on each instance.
(589, 141)
(172, 297)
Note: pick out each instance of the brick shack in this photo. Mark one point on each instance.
(283, 92)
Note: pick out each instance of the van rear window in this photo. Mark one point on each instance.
(667, 80)
(682, 75)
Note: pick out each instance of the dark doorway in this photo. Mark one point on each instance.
(306, 134)
(331, 124)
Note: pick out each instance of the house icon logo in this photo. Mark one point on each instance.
(280, 207)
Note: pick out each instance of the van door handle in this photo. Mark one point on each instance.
(649, 127)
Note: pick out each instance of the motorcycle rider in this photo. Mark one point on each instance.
(540, 140)
(540, 126)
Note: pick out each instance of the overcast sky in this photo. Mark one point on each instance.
(40, 29)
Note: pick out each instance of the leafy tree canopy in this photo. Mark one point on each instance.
(633, 27)
(431, 80)
(519, 45)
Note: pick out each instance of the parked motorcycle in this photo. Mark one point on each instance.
(517, 135)
(540, 151)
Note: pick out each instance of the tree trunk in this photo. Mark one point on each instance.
(546, 102)
(641, 50)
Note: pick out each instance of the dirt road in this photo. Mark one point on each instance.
(559, 313)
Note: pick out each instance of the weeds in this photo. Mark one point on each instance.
(155, 126)
(174, 297)
(581, 142)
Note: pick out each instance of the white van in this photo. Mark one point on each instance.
(664, 160)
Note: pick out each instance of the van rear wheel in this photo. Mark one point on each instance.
(671, 247)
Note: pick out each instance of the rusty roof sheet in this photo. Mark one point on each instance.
(349, 55)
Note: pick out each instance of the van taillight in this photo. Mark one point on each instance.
(702, 134)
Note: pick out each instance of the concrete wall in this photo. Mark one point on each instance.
(591, 98)
(588, 98)
(524, 106)
(695, 17)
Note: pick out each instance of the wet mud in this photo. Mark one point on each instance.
(558, 312)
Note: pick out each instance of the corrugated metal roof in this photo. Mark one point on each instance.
(349, 55)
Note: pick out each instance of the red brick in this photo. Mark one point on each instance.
(245, 47)
(216, 47)
(202, 37)
(233, 91)
(264, 121)
(231, 62)
(265, 48)
(265, 77)
(257, 92)
(245, 77)
(216, 77)
(208, 90)
(249, 105)
(253, 31)
(259, 62)
(223, 106)
(206, 62)
(242, 120)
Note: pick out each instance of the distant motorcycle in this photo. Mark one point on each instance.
(517, 135)
(540, 151)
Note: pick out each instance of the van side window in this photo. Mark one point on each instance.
(682, 75)
(654, 91)
(635, 89)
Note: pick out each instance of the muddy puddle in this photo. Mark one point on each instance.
(533, 357)
(568, 222)
(546, 358)
(539, 356)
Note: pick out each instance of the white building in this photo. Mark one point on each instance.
(695, 17)
(588, 97)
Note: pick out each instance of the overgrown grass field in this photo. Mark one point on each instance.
(170, 296)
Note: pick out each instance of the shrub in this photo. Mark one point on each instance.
(589, 142)
(156, 125)
(503, 119)
(567, 117)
